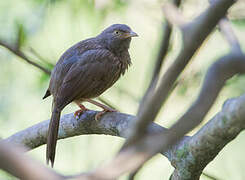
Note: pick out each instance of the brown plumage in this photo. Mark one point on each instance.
(85, 71)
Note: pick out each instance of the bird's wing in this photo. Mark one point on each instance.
(67, 60)
(95, 71)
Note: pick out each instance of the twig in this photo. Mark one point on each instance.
(34, 52)
(173, 15)
(209, 176)
(126, 92)
(229, 35)
(24, 57)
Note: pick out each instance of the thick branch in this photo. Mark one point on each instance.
(135, 155)
(163, 50)
(20, 165)
(191, 154)
(115, 124)
(162, 53)
(194, 34)
(142, 149)
(132, 157)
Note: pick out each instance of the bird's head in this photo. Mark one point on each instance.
(117, 37)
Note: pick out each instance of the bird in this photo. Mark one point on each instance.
(85, 71)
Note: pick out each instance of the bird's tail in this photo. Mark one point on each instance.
(47, 94)
(52, 135)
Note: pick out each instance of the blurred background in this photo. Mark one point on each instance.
(47, 28)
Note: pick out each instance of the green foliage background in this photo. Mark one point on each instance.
(51, 26)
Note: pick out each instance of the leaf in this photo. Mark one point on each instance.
(21, 35)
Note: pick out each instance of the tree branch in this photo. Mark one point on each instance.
(173, 15)
(135, 155)
(191, 154)
(20, 54)
(194, 33)
(228, 33)
(163, 50)
(204, 146)
(139, 149)
(115, 124)
(16, 163)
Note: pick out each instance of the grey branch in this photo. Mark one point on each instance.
(163, 51)
(194, 33)
(191, 154)
(157, 139)
(228, 33)
(204, 146)
(218, 73)
(115, 124)
(173, 15)
(22, 166)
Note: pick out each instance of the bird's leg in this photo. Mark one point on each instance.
(104, 107)
(78, 113)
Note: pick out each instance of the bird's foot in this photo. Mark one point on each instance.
(99, 114)
(79, 112)
(104, 107)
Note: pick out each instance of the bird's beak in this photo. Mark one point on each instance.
(130, 34)
(133, 34)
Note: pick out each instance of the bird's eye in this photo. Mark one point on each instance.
(116, 32)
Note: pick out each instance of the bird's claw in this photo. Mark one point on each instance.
(99, 114)
(78, 113)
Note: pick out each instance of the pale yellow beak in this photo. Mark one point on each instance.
(130, 34)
